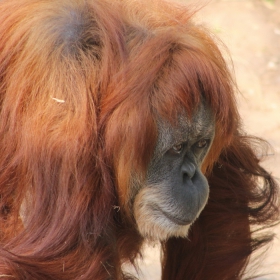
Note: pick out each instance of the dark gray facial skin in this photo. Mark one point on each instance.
(176, 191)
(179, 154)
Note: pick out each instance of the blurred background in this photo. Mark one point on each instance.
(251, 31)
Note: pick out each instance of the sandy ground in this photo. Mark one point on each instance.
(251, 31)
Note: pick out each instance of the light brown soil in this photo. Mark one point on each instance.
(251, 31)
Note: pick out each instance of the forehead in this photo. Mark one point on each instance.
(186, 129)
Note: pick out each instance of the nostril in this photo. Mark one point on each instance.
(186, 178)
(188, 170)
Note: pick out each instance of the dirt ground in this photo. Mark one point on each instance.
(251, 31)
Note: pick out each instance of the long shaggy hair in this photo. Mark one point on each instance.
(82, 83)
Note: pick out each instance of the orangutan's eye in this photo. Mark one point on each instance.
(202, 143)
(177, 148)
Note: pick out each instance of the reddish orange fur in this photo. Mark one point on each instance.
(115, 67)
